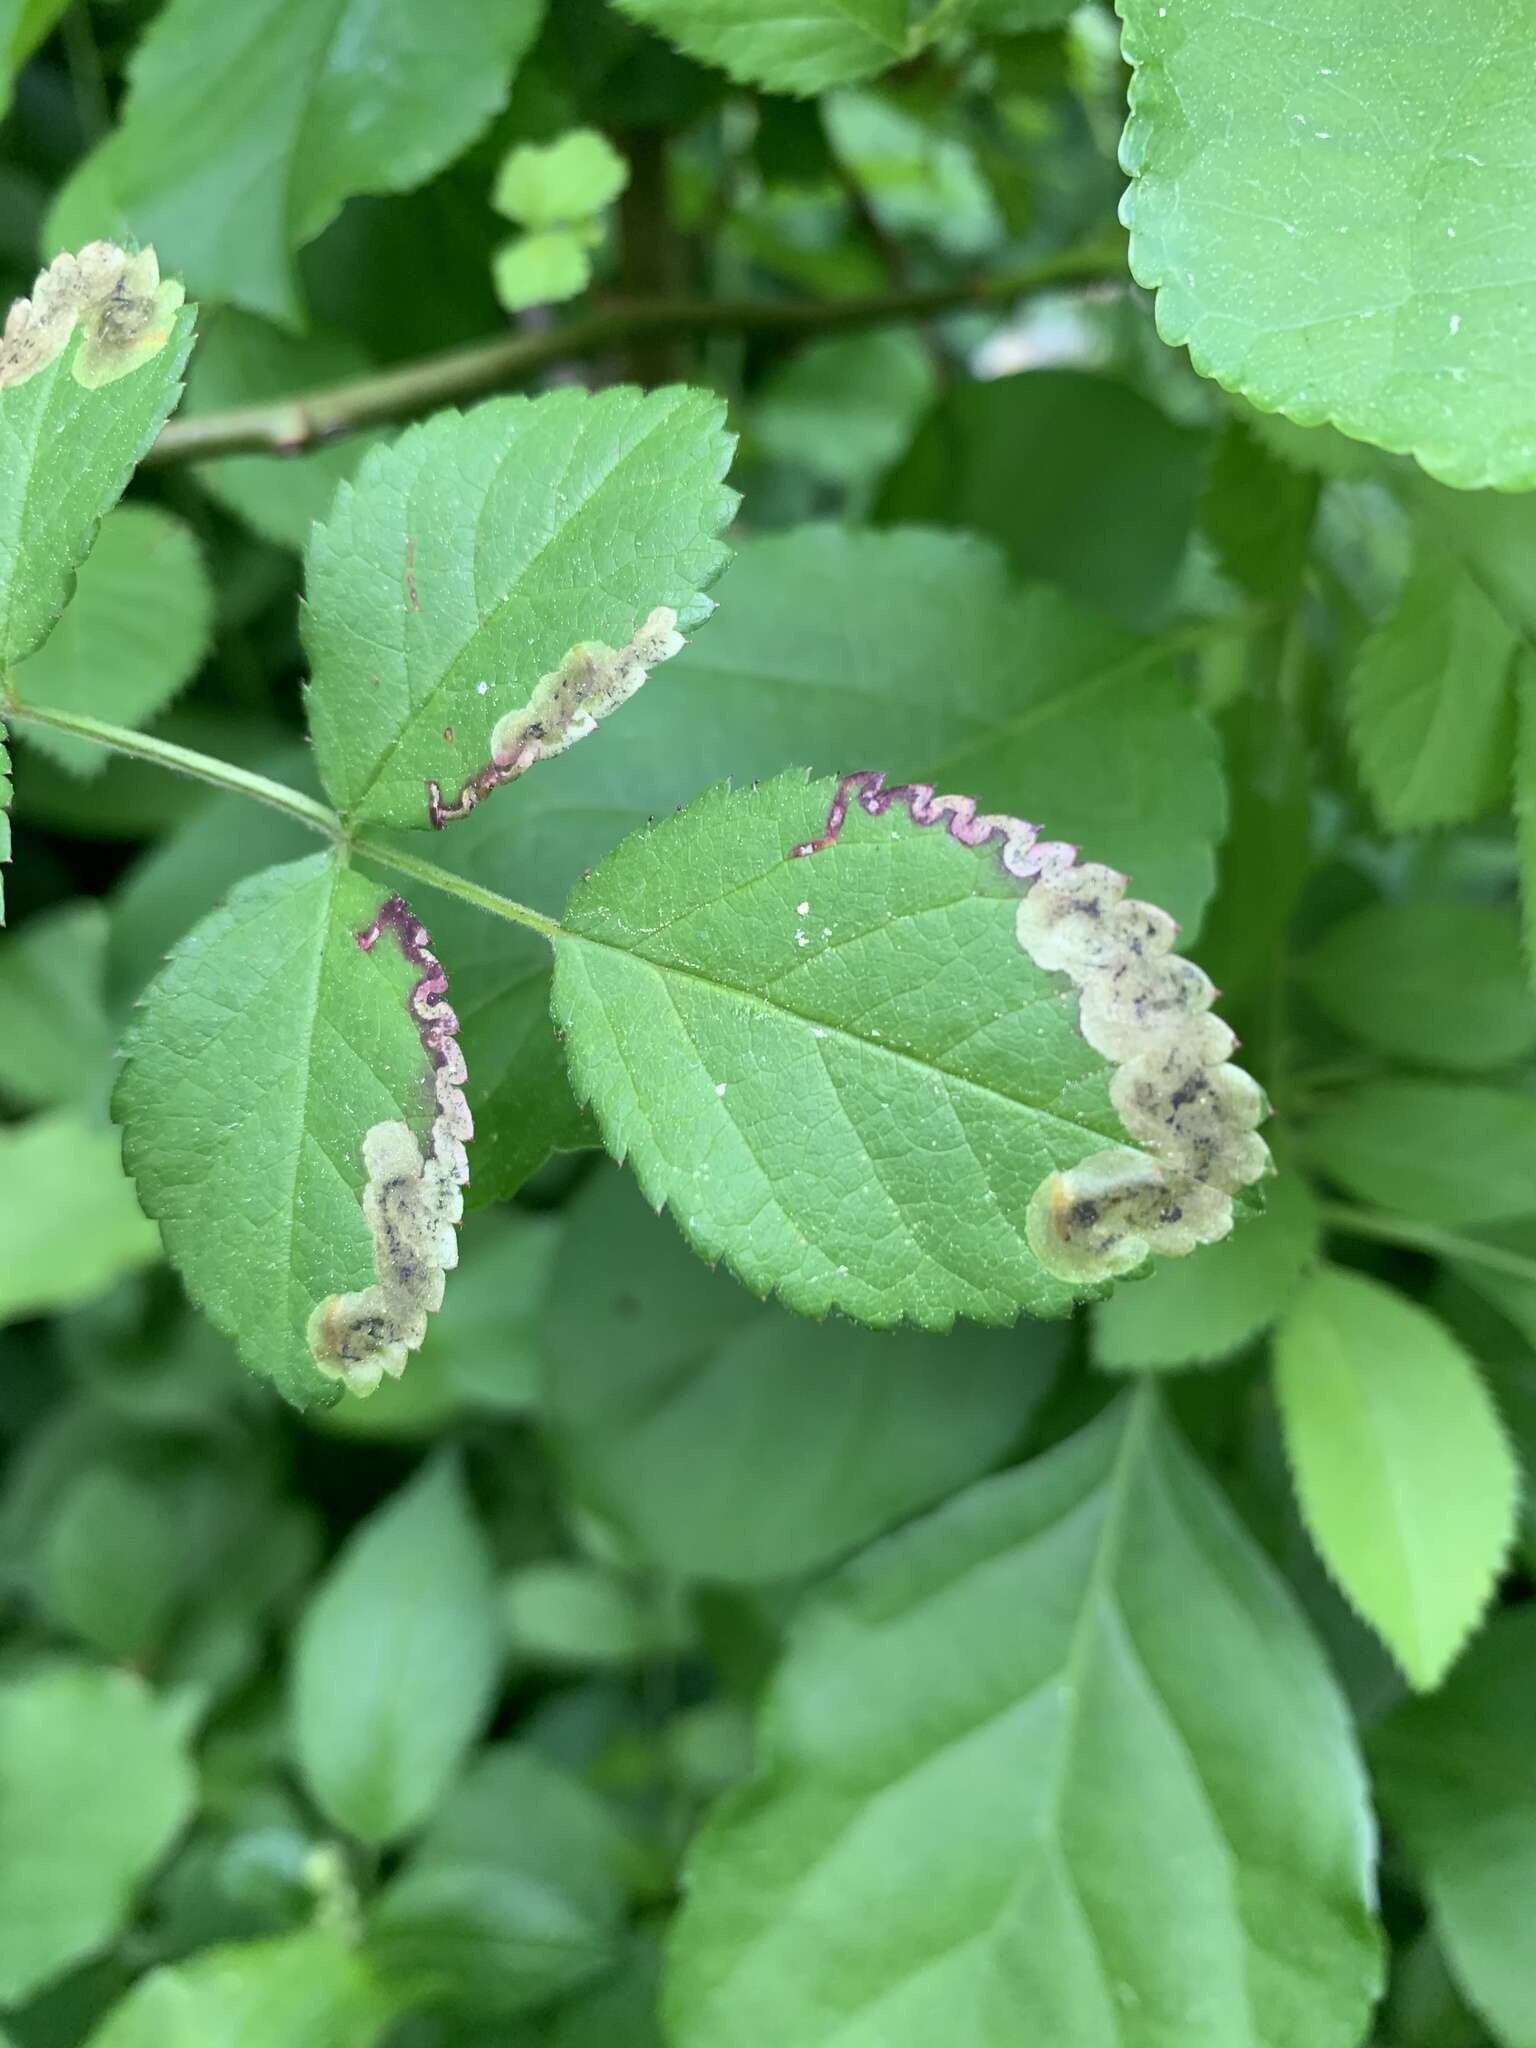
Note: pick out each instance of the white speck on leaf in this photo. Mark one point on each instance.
(1455, 323)
(803, 909)
(719, 1087)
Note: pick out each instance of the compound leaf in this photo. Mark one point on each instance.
(245, 128)
(266, 1049)
(1403, 1471)
(1044, 1697)
(93, 1786)
(466, 562)
(396, 1660)
(1349, 251)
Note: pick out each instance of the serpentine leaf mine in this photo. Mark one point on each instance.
(412, 1203)
(1194, 1115)
(566, 706)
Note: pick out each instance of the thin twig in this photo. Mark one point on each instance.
(306, 419)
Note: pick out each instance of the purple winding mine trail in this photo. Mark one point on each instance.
(1021, 851)
(435, 1017)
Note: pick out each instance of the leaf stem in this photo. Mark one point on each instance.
(143, 746)
(450, 884)
(304, 419)
(1427, 1237)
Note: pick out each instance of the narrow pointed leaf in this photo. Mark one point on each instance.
(1402, 1468)
(396, 1660)
(1000, 1736)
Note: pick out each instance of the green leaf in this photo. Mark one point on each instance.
(1436, 982)
(1402, 1469)
(794, 46)
(550, 184)
(1457, 1778)
(720, 998)
(1430, 715)
(135, 633)
(240, 361)
(479, 1352)
(542, 269)
(512, 1897)
(225, 838)
(69, 449)
(268, 1048)
(1044, 711)
(108, 1563)
(845, 408)
(310, 1988)
(854, 1163)
(69, 1225)
(1297, 268)
(396, 1660)
(5, 814)
(591, 514)
(563, 1612)
(55, 1041)
(729, 1444)
(1111, 492)
(93, 1786)
(1257, 513)
(918, 653)
(686, 968)
(1064, 1685)
(1195, 1311)
(1447, 1151)
(245, 129)
(1525, 798)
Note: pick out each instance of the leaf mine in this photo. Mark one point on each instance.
(412, 1203)
(124, 311)
(566, 706)
(1145, 1009)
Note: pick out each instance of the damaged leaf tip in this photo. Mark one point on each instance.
(125, 311)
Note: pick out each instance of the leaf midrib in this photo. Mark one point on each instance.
(834, 1030)
(416, 714)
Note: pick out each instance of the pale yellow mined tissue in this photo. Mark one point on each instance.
(124, 311)
(1194, 1115)
(412, 1202)
(566, 706)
